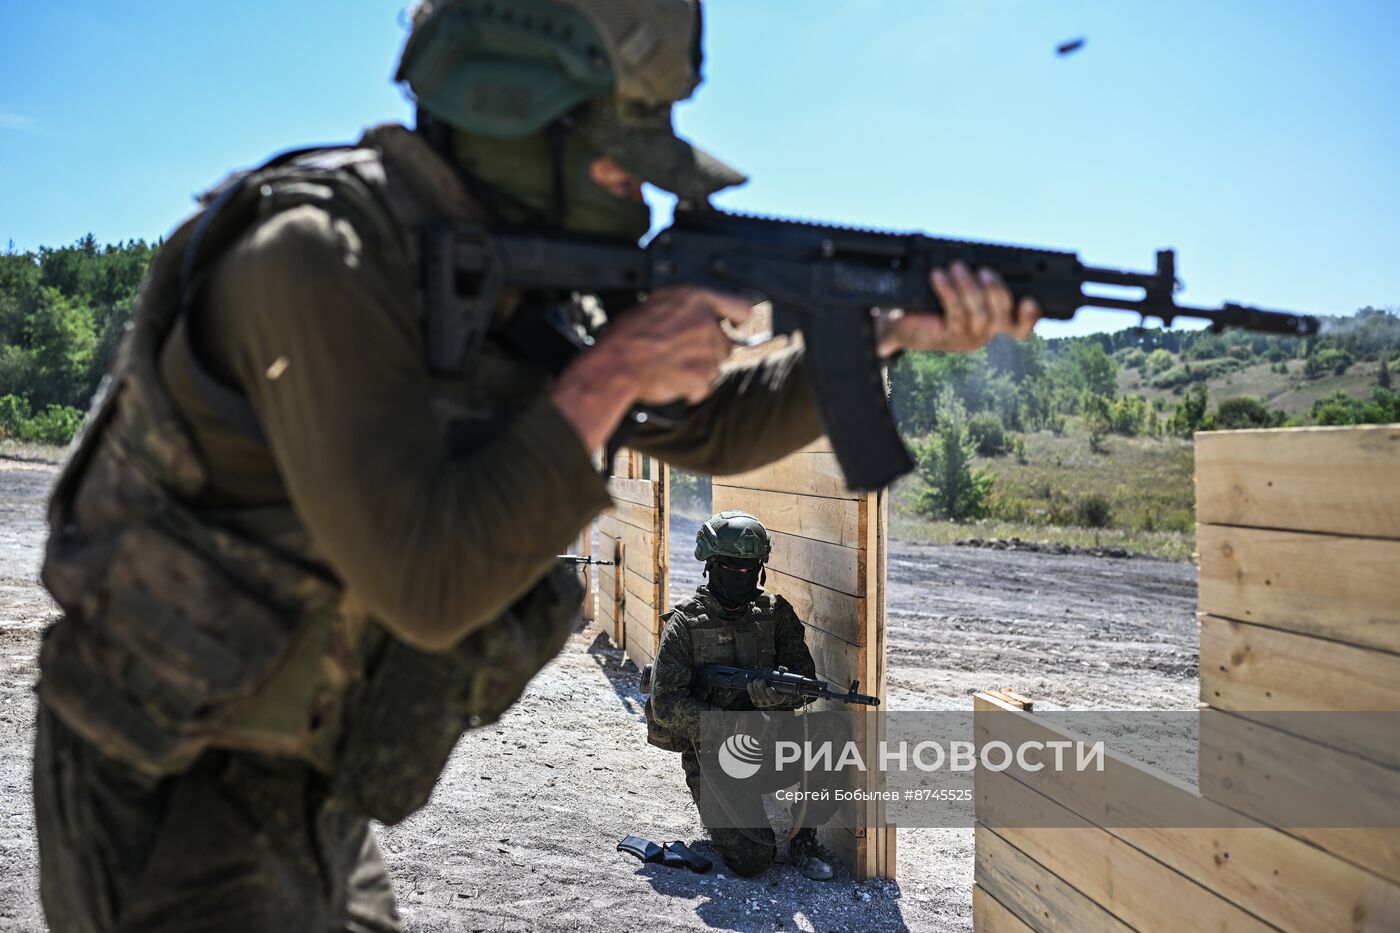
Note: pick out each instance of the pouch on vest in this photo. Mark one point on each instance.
(405, 717)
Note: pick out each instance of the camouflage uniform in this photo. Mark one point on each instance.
(767, 634)
(305, 541)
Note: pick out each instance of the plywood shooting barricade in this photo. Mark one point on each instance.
(828, 561)
(1298, 540)
(631, 594)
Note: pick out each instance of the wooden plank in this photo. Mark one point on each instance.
(1252, 668)
(645, 625)
(837, 661)
(1333, 587)
(1126, 882)
(836, 521)
(837, 613)
(989, 916)
(1338, 480)
(584, 548)
(640, 590)
(663, 527)
(1279, 878)
(830, 565)
(636, 491)
(811, 474)
(1262, 771)
(641, 555)
(639, 648)
(641, 517)
(1021, 887)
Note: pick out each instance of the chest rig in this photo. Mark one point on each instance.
(747, 640)
(185, 629)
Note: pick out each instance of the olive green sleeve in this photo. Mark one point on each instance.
(671, 701)
(759, 412)
(791, 640)
(322, 336)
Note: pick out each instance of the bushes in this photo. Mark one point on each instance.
(987, 435)
(56, 424)
(1093, 511)
(1244, 412)
(1340, 408)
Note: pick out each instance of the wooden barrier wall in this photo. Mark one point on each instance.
(1299, 549)
(632, 594)
(828, 560)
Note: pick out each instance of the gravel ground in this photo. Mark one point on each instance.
(520, 834)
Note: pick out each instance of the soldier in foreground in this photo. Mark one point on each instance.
(308, 535)
(731, 620)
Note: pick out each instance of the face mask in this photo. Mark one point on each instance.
(733, 581)
(523, 169)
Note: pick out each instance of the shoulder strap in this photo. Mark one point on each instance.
(231, 209)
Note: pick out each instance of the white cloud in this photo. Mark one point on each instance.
(17, 122)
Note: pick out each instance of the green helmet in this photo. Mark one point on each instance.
(509, 68)
(733, 534)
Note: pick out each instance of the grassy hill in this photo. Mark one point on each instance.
(1288, 392)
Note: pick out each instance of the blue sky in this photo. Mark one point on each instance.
(1260, 139)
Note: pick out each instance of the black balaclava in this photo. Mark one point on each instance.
(734, 581)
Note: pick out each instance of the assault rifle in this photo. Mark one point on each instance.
(823, 281)
(738, 678)
(575, 560)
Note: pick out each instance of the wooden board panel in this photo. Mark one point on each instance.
(835, 521)
(1338, 480)
(1282, 879)
(643, 623)
(1021, 887)
(989, 916)
(1125, 881)
(830, 565)
(641, 517)
(637, 491)
(833, 612)
(805, 473)
(1252, 668)
(639, 648)
(1347, 589)
(640, 552)
(1259, 770)
(837, 661)
(642, 591)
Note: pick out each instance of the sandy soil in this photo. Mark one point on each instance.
(521, 832)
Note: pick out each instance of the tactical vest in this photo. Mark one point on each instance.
(748, 640)
(186, 628)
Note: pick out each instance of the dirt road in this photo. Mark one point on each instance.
(520, 835)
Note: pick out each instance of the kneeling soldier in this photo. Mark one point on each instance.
(732, 621)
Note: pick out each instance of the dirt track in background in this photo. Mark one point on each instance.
(521, 833)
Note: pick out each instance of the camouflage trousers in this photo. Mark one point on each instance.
(748, 851)
(239, 842)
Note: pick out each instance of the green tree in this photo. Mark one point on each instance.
(1190, 413)
(1158, 361)
(952, 488)
(61, 344)
(1383, 375)
(1089, 369)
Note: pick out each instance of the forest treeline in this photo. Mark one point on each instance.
(63, 309)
